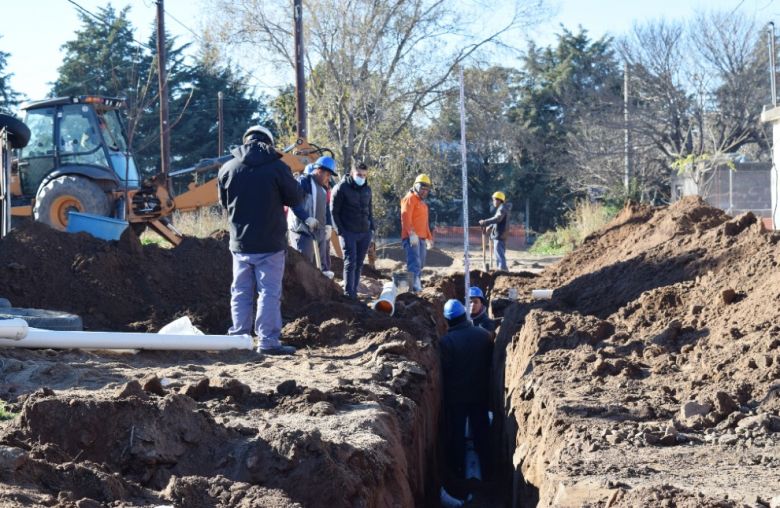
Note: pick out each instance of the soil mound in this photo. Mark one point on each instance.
(124, 286)
(657, 354)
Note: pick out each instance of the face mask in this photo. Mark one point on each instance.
(359, 181)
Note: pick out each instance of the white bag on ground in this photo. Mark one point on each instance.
(181, 326)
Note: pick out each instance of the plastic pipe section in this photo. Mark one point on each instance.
(542, 294)
(386, 302)
(13, 329)
(50, 339)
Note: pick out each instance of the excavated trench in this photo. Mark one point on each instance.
(649, 379)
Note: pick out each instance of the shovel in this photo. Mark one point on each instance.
(318, 259)
(485, 260)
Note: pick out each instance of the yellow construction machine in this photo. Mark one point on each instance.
(78, 159)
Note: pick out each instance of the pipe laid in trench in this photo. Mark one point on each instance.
(49, 339)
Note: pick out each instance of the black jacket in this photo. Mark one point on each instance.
(351, 207)
(466, 356)
(255, 187)
(499, 222)
(482, 320)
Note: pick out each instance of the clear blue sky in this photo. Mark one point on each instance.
(33, 30)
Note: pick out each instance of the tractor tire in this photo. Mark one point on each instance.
(19, 133)
(46, 319)
(69, 193)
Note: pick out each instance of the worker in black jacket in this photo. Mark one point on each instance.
(351, 211)
(466, 356)
(254, 188)
(478, 310)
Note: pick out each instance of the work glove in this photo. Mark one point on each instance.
(329, 274)
(482, 223)
(414, 240)
(312, 223)
(429, 243)
(328, 231)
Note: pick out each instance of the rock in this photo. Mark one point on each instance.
(132, 389)
(696, 309)
(728, 296)
(758, 422)
(724, 404)
(197, 390)
(774, 502)
(230, 387)
(692, 413)
(323, 408)
(728, 439)
(289, 387)
(152, 384)
(87, 502)
(12, 458)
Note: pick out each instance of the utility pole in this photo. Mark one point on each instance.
(165, 135)
(300, 79)
(220, 123)
(627, 128)
(465, 173)
(772, 67)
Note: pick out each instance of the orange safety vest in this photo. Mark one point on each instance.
(414, 217)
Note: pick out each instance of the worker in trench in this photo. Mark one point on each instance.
(416, 235)
(478, 310)
(466, 355)
(352, 210)
(310, 222)
(254, 188)
(498, 225)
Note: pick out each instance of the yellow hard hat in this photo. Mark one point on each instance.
(423, 179)
(499, 195)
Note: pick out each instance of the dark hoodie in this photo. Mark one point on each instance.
(499, 222)
(254, 188)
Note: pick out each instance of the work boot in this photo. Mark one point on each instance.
(280, 350)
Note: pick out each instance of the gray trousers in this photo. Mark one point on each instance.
(304, 244)
(262, 273)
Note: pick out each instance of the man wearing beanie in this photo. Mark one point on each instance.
(466, 356)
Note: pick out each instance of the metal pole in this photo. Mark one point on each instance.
(627, 136)
(220, 123)
(5, 185)
(772, 66)
(465, 171)
(165, 138)
(300, 79)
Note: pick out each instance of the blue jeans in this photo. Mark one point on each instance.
(304, 244)
(415, 257)
(499, 248)
(355, 247)
(263, 273)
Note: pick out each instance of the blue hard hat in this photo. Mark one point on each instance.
(453, 308)
(475, 292)
(326, 162)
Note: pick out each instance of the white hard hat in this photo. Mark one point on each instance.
(259, 129)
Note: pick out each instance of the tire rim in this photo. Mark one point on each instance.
(60, 208)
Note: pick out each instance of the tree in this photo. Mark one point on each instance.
(9, 98)
(372, 66)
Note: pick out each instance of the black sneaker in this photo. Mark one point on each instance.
(280, 350)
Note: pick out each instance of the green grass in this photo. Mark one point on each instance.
(5, 414)
(585, 219)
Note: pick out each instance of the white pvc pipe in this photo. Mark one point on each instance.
(386, 301)
(542, 294)
(13, 329)
(51, 339)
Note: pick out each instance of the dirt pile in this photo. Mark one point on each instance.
(651, 378)
(125, 286)
(350, 420)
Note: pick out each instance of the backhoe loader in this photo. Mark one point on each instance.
(78, 159)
